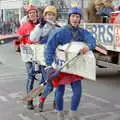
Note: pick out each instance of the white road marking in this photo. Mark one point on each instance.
(12, 73)
(3, 98)
(117, 106)
(112, 117)
(15, 94)
(89, 105)
(11, 65)
(24, 117)
(93, 97)
(94, 115)
(96, 98)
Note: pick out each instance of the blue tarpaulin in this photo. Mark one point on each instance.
(104, 11)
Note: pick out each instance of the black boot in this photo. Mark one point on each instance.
(18, 49)
(30, 105)
(41, 105)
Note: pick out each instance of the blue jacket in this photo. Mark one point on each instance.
(64, 35)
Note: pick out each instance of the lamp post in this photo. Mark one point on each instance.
(82, 4)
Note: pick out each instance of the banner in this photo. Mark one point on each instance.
(108, 35)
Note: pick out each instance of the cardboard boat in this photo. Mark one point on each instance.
(84, 65)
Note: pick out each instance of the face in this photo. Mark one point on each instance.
(50, 16)
(98, 4)
(74, 20)
(32, 14)
(107, 3)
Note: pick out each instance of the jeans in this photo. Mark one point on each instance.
(30, 76)
(75, 100)
(48, 88)
(31, 72)
(43, 73)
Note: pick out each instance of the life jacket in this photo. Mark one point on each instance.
(48, 28)
(66, 78)
(24, 30)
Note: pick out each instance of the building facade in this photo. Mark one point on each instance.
(10, 9)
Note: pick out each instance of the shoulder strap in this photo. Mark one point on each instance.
(74, 37)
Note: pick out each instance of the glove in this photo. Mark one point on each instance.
(43, 40)
(53, 76)
(17, 42)
(49, 70)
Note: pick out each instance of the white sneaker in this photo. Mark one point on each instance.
(72, 116)
(60, 115)
(68, 118)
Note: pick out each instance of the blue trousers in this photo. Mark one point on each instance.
(30, 76)
(75, 99)
(48, 88)
(31, 72)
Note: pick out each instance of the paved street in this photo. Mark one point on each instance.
(100, 100)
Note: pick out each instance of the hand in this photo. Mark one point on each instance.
(84, 50)
(49, 67)
(49, 70)
(17, 42)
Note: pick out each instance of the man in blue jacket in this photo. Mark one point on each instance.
(66, 34)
